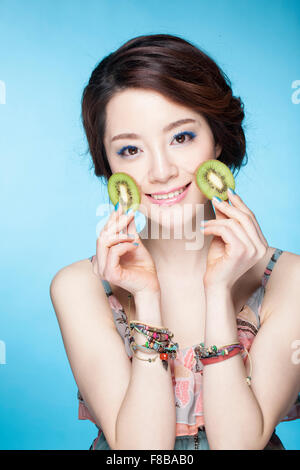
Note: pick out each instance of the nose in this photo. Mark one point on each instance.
(161, 168)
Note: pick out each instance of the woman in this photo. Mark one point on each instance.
(180, 108)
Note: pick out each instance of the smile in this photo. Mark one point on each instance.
(170, 198)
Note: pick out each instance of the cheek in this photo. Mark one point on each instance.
(206, 149)
(193, 158)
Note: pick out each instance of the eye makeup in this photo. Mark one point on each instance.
(191, 134)
(120, 152)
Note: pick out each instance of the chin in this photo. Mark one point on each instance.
(176, 225)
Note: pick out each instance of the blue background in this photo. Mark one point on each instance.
(49, 194)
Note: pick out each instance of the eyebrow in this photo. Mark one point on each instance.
(167, 128)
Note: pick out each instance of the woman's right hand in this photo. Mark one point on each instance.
(119, 261)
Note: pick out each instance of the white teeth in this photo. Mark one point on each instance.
(168, 196)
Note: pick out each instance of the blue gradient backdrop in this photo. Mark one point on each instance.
(49, 194)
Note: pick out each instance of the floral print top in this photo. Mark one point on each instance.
(186, 371)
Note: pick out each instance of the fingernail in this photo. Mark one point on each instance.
(231, 191)
(116, 206)
(217, 199)
(136, 244)
(129, 211)
(130, 235)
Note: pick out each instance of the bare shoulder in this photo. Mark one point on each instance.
(283, 282)
(94, 348)
(79, 283)
(78, 268)
(285, 272)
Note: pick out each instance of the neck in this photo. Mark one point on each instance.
(172, 255)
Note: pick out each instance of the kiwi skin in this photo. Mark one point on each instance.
(122, 184)
(214, 168)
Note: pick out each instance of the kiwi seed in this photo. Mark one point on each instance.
(123, 188)
(213, 178)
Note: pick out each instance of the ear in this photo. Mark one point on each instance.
(218, 150)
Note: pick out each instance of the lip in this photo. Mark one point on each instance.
(169, 191)
(173, 200)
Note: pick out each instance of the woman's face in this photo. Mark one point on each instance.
(162, 155)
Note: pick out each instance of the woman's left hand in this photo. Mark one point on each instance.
(237, 245)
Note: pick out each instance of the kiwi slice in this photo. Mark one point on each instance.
(213, 178)
(122, 188)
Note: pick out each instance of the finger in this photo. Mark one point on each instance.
(245, 220)
(120, 225)
(119, 238)
(113, 268)
(237, 201)
(114, 216)
(101, 246)
(238, 231)
(104, 243)
(132, 229)
(232, 242)
(218, 214)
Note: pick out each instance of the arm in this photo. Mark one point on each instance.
(238, 416)
(120, 395)
(147, 417)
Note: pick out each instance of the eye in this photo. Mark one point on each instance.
(182, 136)
(130, 149)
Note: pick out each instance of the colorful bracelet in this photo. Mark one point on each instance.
(163, 337)
(161, 346)
(162, 356)
(165, 347)
(158, 336)
(154, 334)
(213, 360)
(149, 327)
(133, 349)
(221, 357)
(202, 352)
(168, 348)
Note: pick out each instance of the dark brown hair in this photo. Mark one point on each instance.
(178, 70)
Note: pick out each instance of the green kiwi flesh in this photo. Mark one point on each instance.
(213, 178)
(122, 188)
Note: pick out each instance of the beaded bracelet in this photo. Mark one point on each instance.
(221, 357)
(165, 335)
(153, 342)
(212, 360)
(223, 351)
(153, 334)
(204, 352)
(133, 349)
(166, 347)
(163, 356)
(162, 347)
(150, 328)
